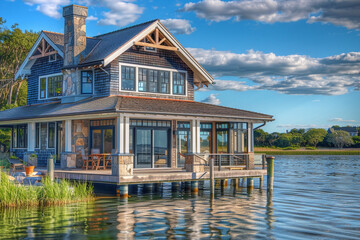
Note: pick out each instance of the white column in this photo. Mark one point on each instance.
(127, 135)
(250, 137)
(198, 136)
(119, 134)
(193, 136)
(68, 124)
(31, 137)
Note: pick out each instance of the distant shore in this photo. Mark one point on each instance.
(303, 151)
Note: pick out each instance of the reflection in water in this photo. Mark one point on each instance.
(314, 197)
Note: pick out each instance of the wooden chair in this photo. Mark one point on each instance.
(16, 164)
(86, 160)
(94, 159)
(108, 161)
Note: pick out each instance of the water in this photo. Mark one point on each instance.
(315, 197)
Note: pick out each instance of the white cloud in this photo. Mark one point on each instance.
(91, 18)
(211, 99)
(178, 26)
(50, 8)
(122, 12)
(292, 74)
(342, 120)
(305, 126)
(343, 13)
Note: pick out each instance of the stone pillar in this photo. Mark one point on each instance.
(251, 164)
(194, 164)
(122, 164)
(68, 160)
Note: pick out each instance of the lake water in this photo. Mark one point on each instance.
(315, 197)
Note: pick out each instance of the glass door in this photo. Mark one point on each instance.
(183, 146)
(102, 139)
(143, 148)
(161, 146)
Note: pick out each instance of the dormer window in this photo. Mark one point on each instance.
(87, 78)
(50, 86)
(52, 58)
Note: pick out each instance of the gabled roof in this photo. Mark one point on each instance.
(122, 104)
(103, 49)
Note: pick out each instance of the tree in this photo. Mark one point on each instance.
(260, 137)
(14, 46)
(300, 131)
(283, 141)
(339, 139)
(314, 136)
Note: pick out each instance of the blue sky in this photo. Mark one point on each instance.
(296, 60)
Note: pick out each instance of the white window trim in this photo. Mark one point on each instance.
(39, 83)
(148, 50)
(171, 70)
(54, 59)
(39, 136)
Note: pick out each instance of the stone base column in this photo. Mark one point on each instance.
(68, 160)
(122, 165)
(30, 158)
(194, 163)
(251, 160)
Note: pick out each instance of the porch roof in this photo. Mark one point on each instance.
(122, 104)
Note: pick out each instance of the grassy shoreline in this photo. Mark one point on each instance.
(49, 193)
(274, 151)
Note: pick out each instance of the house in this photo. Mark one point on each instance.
(353, 131)
(129, 92)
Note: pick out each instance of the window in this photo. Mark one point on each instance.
(127, 78)
(51, 135)
(51, 86)
(150, 49)
(158, 80)
(37, 135)
(20, 136)
(179, 83)
(87, 82)
(154, 81)
(205, 137)
(52, 58)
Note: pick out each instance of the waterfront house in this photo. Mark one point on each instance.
(353, 131)
(129, 93)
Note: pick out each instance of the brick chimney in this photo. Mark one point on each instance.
(74, 46)
(74, 33)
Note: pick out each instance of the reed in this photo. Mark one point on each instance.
(309, 152)
(51, 193)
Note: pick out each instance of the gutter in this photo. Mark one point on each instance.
(260, 126)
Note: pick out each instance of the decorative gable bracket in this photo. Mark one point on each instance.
(156, 39)
(44, 49)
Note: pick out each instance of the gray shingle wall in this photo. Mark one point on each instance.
(102, 82)
(41, 67)
(161, 58)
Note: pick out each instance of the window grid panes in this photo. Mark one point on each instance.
(20, 136)
(128, 78)
(51, 135)
(154, 81)
(104, 122)
(87, 82)
(178, 83)
(42, 87)
(149, 123)
(37, 138)
(55, 86)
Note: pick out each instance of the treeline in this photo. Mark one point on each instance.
(296, 138)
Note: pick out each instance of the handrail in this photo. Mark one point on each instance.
(206, 160)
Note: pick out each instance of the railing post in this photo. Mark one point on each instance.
(270, 174)
(263, 161)
(212, 176)
(50, 168)
(247, 162)
(220, 163)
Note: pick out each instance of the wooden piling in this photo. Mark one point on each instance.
(270, 174)
(250, 182)
(50, 168)
(122, 191)
(212, 179)
(194, 187)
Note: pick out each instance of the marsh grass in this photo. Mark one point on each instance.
(51, 193)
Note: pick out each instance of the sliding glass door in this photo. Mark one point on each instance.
(103, 139)
(143, 148)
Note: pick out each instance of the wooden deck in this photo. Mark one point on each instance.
(153, 175)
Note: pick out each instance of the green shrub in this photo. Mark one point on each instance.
(290, 148)
(310, 148)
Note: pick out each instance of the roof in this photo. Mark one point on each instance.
(117, 104)
(106, 47)
(347, 129)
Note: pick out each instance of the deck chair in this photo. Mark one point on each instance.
(108, 161)
(86, 160)
(16, 165)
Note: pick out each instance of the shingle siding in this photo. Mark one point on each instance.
(161, 58)
(41, 67)
(102, 82)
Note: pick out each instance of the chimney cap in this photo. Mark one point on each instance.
(75, 10)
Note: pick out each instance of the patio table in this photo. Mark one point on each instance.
(97, 157)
